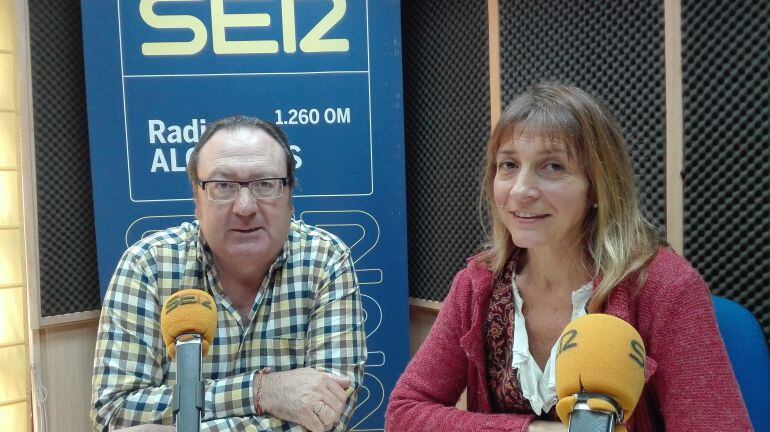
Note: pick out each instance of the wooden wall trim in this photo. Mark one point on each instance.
(674, 125)
(495, 99)
(71, 318)
(425, 304)
(28, 176)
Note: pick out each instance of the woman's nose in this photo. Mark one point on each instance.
(525, 186)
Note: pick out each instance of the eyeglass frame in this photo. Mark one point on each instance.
(284, 181)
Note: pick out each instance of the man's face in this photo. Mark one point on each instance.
(245, 229)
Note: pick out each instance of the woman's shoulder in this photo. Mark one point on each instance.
(467, 298)
(670, 276)
(473, 279)
(476, 269)
(669, 268)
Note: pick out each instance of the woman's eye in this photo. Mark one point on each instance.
(554, 166)
(506, 165)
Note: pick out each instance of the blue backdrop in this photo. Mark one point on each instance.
(327, 71)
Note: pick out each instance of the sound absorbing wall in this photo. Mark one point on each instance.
(65, 220)
(447, 123)
(726, 90)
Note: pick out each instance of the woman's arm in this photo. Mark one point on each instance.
(694, 383)
(426, 394)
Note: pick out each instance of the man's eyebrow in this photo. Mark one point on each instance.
(220, 171)
(225, 173)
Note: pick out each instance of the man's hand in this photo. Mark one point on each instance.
(305, 396)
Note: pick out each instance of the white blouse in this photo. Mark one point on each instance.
(537, 386)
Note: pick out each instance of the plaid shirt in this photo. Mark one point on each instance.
(307, 313)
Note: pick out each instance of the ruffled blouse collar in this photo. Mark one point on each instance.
(539, 386)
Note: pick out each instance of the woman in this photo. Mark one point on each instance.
(568, 238)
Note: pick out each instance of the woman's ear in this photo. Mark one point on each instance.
(593, 199)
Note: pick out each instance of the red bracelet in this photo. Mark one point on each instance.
(262, 373)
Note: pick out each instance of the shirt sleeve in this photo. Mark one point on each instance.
(131, 368)
(129, 364)
(250, 424)
(335, 338)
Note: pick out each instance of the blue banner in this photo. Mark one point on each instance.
(327, 71)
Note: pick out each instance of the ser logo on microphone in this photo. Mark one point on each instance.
(638, 355)
(569, 340)
(184, 299)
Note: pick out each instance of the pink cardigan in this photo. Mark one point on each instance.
(690, 386)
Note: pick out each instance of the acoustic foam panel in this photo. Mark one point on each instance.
(726, 79)
(446, 110)
(65, 222)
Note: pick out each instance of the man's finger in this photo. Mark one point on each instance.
(339, 400)
(336, 391)
(343, 382)
(339, 386)
(328, 416)
(314, 423)
(335, 406)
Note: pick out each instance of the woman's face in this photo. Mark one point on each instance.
(540, 191)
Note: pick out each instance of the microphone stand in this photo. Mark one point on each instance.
(586, 419)
(189, 396)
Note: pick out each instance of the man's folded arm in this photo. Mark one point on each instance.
(336, 339)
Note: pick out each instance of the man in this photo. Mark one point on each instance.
(286, 293)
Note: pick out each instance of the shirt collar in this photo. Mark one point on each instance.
(206, 257)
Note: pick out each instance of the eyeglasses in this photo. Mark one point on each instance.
(264, 188)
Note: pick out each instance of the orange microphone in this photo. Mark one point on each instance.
(599, 373)
(188, 322)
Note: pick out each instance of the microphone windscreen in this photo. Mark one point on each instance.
(188, 311)
(601, 354)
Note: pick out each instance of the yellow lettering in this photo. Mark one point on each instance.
(289, 28)
(220, 21)
(313, 42)
(154, 20)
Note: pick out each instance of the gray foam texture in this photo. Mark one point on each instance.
(726, 78)
(446, 120)
(67, 243)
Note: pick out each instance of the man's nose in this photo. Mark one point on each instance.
(245, 203)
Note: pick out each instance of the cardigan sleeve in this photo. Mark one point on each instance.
(425, 396)
(694, 382)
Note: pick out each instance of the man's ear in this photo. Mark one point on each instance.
(195, 202)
